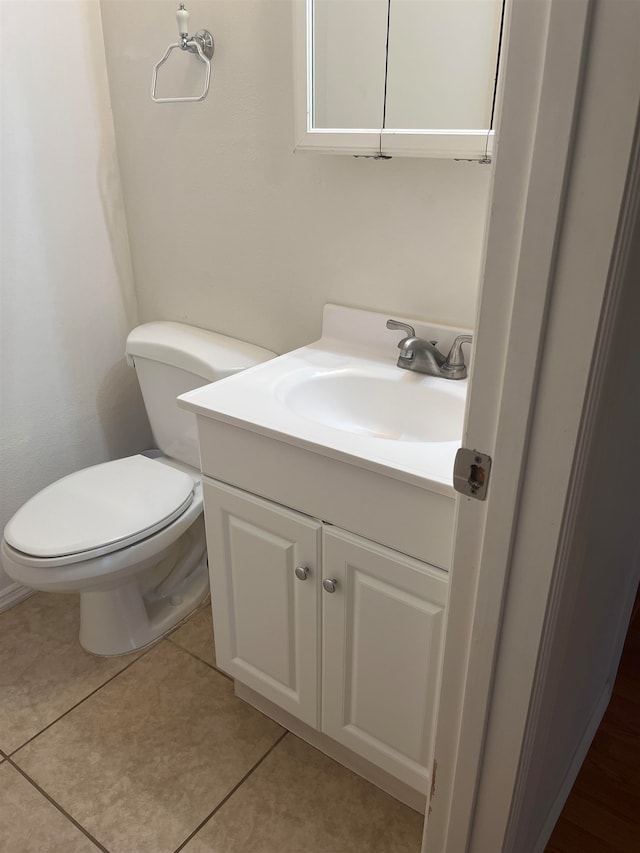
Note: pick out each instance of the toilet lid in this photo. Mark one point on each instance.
(106, 507)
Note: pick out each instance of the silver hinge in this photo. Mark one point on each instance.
(471, 473)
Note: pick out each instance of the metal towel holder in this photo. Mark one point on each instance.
(201, 44)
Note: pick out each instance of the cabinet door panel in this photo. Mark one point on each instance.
(265, 619)
(382, 631)
(250, 546)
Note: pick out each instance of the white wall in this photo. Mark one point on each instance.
(67, 301)
(231, 230)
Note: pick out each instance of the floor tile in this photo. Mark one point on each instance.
(43, 669)
(196, 635)
(30, 823)
(143, 761)
(300, 801)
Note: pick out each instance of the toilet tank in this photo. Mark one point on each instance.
(173, 358)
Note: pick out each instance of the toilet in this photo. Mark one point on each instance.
(128, 535)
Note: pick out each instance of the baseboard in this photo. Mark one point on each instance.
(13, 594)
(572, 773)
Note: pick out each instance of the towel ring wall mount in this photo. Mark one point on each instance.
(201, 44)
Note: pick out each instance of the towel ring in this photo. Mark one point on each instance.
(201, 44)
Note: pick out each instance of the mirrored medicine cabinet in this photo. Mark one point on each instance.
(397, 77)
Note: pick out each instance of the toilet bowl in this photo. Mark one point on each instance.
(128, 535)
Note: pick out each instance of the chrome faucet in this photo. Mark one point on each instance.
(424, 356)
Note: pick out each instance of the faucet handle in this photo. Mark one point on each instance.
(409, 331)
(455, 359)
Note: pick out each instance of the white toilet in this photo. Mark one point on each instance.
(128, 535)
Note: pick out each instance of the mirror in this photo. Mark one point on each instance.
(397, 77)
(348, 62)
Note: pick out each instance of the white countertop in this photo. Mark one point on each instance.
(259, 399)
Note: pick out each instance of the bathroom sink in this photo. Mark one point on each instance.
(382, 403)
(344, 398)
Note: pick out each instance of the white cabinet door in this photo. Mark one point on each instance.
(381, 638)
(265, 618)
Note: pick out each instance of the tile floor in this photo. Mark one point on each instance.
(153, 753)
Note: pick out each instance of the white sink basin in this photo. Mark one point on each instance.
(381, 404)
(343, 397)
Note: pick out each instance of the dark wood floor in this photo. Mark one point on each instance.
(602, 814)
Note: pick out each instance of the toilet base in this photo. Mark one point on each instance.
(121, 620)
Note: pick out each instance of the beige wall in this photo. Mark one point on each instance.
(231, 230)
(67, 398)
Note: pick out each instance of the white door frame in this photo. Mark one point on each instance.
(553, 218)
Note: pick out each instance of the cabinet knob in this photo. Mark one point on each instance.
(329, 584)
(302, 573)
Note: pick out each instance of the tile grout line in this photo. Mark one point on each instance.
(84, 699)
(231, 793)
(202, 660)
(143, 653)
(188, 618)
(56, 805)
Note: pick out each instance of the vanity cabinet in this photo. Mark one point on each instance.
(341, 632)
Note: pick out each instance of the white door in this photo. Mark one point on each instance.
(381, 642)
(265, 615)
(563, 153)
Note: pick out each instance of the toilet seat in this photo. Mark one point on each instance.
(99, 510)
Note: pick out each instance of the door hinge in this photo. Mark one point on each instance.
(471, 473)
(433, 779)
